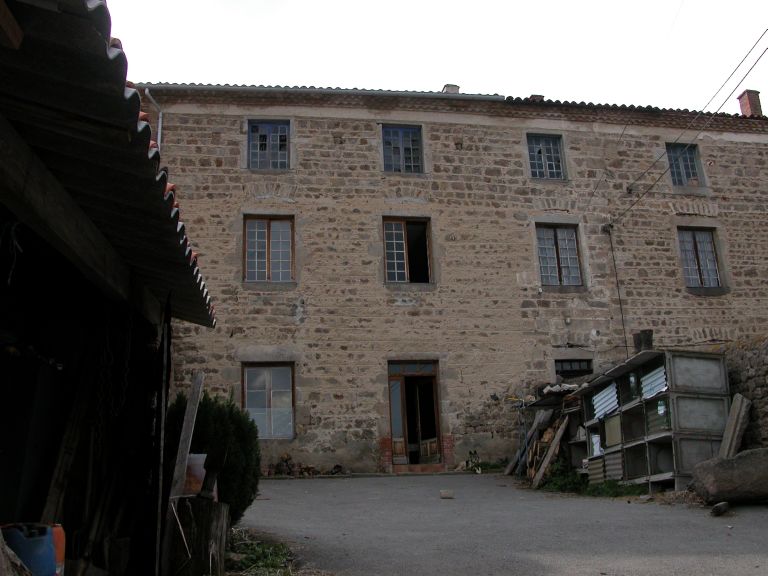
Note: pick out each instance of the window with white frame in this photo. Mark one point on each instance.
(268, 144)
(684, 164)
(268, 398)
(545, 155)
(268, 249)
(699, 257)
(558, 255)
(402, 148)
(406, 250)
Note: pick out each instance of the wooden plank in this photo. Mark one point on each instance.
(199, 531)
(738, 418)
(541, 419)
(550, 453)
(40, 202)
(11, 34)
(185, 441)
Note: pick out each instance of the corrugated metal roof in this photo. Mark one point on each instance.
(65, 92)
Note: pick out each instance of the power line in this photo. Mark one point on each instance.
(706, 124)
(692, 122)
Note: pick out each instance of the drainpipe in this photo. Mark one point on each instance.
(159, 117)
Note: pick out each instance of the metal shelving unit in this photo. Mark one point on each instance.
(652, 418)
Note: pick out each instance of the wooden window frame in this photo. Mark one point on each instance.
(561, 156)
(675, 150)
(404, 221)
(243, 394)
(401, 127)
(718, 264)
(555, 227)
(269, 219)
(272, 122)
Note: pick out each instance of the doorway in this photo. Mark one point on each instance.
(414, 415)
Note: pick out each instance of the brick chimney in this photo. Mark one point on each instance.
(451, 89)
(750, 103)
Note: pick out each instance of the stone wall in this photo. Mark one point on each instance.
(487, 321)
(747, 363)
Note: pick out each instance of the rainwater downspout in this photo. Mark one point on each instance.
(159, 117)
(608, 229)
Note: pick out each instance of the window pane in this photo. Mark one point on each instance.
(394, 241)
(281, 378)
(280, 238)
(707, 259)
(269, 145)
(255, 250)
(402, 148)
(256, 378)
(282, 422)
(569, 256)
(688, 257)
(545, 156)
(682, 164)
(259, 418)
(547, 256)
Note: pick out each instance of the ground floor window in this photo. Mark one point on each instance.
(414, 415)
(268, 398)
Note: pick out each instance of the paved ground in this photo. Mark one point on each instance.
(399, 525)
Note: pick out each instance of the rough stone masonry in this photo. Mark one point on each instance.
(485, 320)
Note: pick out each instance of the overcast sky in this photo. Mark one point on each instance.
(672, 53)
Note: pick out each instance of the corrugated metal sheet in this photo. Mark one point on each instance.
(596, 473)
(65, 92)
(654, 382)
(657, 416)
(613, 466)
(605, 401)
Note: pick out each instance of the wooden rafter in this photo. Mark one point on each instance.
(11, 34)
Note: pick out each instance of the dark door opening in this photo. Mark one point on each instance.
(414, 419)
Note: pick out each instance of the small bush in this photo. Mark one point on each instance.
(613, 489)
(563, 478)
(226, 433)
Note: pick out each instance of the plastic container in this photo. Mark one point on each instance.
(40, 547)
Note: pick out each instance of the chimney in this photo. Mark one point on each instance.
(750, 103)
(451, 89)
(536, 98)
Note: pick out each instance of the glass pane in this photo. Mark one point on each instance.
(688, 257)
(282, 422)
(256, 399)
(282, 399)
(547, 256)
(569, 256)
(394, 239)
(395, 409)
(259, 417)
(707, 259)
(256, 378)
(281, 378)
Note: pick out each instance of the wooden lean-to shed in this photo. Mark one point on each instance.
(94, 263)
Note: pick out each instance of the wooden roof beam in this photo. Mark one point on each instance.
(41, 202)
(10, 31)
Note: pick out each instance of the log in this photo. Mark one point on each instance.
(743, 478)
(550, 453)
(541, 419)
(738, 418)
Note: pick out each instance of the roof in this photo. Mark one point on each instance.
(64, 91)
(533, 100)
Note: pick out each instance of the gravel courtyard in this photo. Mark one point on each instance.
(400, 525)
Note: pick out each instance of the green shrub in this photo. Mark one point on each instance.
(563, 478)
(226, 433)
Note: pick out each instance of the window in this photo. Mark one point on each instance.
(683, 164)
(573, 368)
(268, 399)
(546, 157)
(402, 149)
(406, 245)
(268, 249)
(697, 251)
(558, 255)
(268, 147)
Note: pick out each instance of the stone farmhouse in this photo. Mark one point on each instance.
(393, 270)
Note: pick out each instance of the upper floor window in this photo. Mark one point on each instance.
(268, 249)
(268, 145)
(406, 244)
(546, 156)
(558, 255)
(402, 149)
(697, 251)
(268, 398)
(683, 164)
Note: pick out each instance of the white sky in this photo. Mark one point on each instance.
(673, 53)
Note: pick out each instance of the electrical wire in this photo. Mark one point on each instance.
(706, 124)
(693, 121)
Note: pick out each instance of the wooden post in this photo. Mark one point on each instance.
(738, 418)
